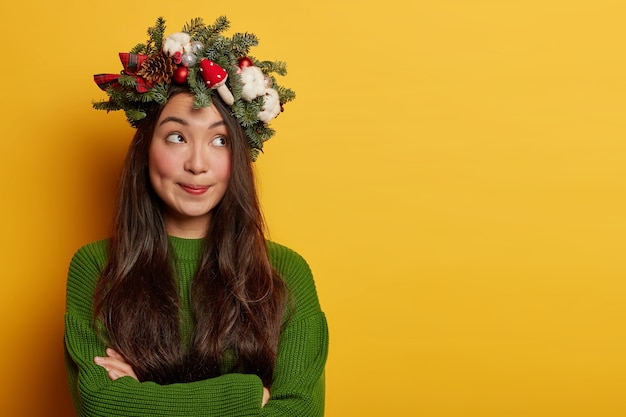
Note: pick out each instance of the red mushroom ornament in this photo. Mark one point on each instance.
(215, 78)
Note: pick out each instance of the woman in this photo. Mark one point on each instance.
(187, 310)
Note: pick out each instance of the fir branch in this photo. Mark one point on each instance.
(132, 96)
(235, 84)
(248, 113)
(140, 48)
(254, 139)
(257, 135)
(206, 34)
(127, 81)
(117, 95)
(242, 42)
(192, 77)
(254, 154)
(202, 95)
(194, 27)
(201, 99)
(221, 24)
(218, 47)
(146, 97)
(105, 105)
(277, 67)
(134, 114)
(155, 40)
(159, 94)
(266, 133)
(286, 94)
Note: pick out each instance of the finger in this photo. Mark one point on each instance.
(114, 375)
(113, 354)
(116, 368)
(266, 396)
(107, 361)
(118, 363)
(99, 360)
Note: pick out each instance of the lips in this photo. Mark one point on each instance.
(194, 189)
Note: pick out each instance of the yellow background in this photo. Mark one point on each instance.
(453, 170)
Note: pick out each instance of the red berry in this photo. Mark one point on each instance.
(180, 75)
(244, 62)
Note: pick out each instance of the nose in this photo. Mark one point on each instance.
(197, 160)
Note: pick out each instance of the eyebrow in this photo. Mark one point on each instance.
(173, 119)
(184, 122)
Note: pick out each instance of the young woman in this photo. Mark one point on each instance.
(187, 310)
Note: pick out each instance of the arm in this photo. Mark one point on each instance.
(116, 367)
(298, 387)
(95, 394)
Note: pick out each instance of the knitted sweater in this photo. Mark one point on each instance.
(298, 386)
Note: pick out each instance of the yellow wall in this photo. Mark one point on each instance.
(453, 170)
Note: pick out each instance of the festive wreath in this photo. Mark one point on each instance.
(208, 62)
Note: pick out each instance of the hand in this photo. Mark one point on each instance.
(115, 365)
(266, 397)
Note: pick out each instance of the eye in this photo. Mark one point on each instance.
(219, 141)
(175, 138)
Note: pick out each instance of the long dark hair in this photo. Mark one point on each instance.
(238, 299)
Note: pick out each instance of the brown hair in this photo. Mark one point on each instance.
(237, 297)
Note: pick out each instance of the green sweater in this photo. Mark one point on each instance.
(298, 387)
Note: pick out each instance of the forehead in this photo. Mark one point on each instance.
(181, 107)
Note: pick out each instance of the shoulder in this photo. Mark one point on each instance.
(93, 254)
(297, 274)
(284, 258)
(84, 272)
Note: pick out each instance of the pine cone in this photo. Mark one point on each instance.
(157, 68)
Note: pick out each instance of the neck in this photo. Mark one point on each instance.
(187, 228)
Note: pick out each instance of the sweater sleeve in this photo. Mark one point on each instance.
(298, 387)
(94, 394)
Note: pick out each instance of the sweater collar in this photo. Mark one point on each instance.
(186, 249)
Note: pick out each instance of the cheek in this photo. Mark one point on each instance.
(222, 167)
(160, 164)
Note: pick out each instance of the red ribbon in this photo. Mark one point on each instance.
(132, 64)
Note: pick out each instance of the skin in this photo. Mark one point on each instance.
(189, 166)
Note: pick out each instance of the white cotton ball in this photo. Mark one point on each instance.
(177, 42)
(271, 105)
(253, 81)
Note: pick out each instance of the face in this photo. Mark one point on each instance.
(189, 163)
